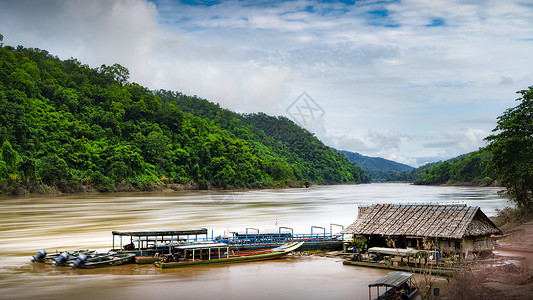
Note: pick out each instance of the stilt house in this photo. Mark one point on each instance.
(455, 227)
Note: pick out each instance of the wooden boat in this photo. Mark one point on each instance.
(439, 271)
(111, 259)
(148, 259)
(173, 251)
(219, 257)
(177, 254)
(404, 265)
(397, 285)
(178, 251)
(61, 258)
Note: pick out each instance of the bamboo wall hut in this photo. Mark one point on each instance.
(455, 227)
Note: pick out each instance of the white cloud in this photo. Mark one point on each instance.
(454, 143)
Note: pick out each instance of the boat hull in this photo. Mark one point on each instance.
(254, 256)
(148, 259)
(111, 260)
(432, 271)
(228, 260)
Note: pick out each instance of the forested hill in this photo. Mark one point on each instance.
(378, 168)
(466, 169)
(277, 137)
(75, 128)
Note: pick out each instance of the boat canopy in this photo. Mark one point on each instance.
(202, 246)
(394, 251)
(194, 231)
(393, 279)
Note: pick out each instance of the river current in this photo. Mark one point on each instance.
(69, 222)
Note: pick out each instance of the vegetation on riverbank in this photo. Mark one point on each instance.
(511, 146)
(465, 170)
(469, 169)
(66, 127)
(508, 157)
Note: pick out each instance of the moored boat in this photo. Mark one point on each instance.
(214, 254)
(147, 259)
(111, 259)
(401, 259)
(438, 271)
(397, 285)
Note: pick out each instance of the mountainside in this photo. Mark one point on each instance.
(468, 169)
(278, 136)
(75, 128)
(465, 169)
(378, 168)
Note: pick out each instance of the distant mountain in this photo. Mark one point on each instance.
(378, 168)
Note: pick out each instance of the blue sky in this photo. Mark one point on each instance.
(414, 81)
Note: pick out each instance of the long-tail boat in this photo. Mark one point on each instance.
(111, 259)
(217, 253)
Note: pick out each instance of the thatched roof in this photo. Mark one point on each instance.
(441, 221)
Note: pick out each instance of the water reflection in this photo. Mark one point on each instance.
(68, 222)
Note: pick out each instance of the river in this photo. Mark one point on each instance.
(69, 222)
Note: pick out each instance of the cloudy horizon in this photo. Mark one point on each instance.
(413, 81)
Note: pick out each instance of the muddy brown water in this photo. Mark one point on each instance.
(69, 222)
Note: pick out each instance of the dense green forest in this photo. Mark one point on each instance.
(465, 169)
(380, 169)
(511, 146)
(67, 126)
(306, 155)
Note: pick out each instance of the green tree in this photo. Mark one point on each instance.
(116, 73)
(3, 170)
(22, 81)
(9, 155)
(280, 171)
(512, 150)
(54, 170)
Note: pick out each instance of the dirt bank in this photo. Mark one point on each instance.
(509, 276)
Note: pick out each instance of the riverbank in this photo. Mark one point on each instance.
(514, 281)
(13, 188)
(472, 183)
(508, 275)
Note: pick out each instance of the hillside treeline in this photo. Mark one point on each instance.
(467, 169)
(75, 128)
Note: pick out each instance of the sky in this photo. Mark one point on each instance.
(413, 81)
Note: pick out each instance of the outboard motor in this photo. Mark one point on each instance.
(41, 254)
(82, 258)
(61, 259)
